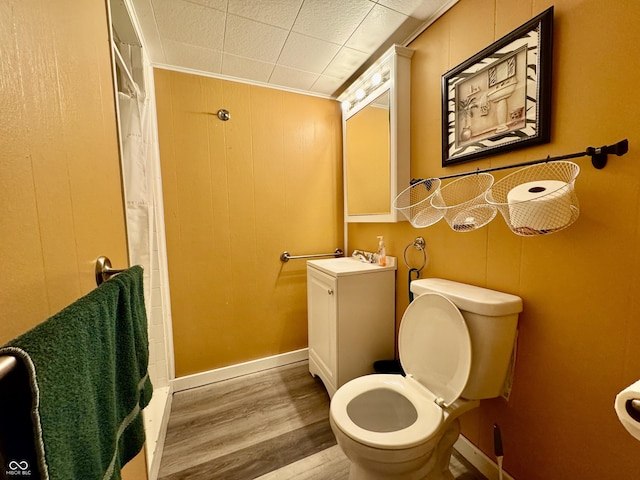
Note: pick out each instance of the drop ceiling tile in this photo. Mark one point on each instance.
(307, 53)
(292, 78)
(281, 13)
(375, 29)
(248, 38)
(246, 68)
(244, 39)
(192, 57)
(345, 63)
(326, 85)
(190, 23)
(331, 20)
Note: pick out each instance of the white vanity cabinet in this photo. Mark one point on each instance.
(351, 314)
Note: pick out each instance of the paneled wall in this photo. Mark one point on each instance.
(237, 194)
(60, 195)
(60, 188)
(580, 330)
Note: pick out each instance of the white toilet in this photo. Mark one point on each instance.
(455, 345)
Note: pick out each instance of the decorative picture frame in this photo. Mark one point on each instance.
(500, 98)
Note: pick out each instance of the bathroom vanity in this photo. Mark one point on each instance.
(351, 315)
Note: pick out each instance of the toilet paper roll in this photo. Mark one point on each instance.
(627, 413)
(540, 205)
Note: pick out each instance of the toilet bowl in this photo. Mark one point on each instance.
(395, 427)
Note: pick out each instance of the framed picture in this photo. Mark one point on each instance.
(499, 99)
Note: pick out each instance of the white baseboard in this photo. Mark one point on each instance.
(232, 371)
(478, 459)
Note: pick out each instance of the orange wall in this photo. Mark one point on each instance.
(579, 337)
(60, 195)
(60, 190)
(236, 195)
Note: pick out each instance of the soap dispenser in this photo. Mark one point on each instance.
(382, 252)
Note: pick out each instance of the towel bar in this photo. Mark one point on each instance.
(286, 256)
(6, 365)
(104, 271)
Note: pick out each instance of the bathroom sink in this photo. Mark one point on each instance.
(349, 265)
(504, 90)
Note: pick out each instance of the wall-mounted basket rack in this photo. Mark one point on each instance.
(598, 156)
(423, 202)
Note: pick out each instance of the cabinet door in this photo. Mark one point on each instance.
(322, 322)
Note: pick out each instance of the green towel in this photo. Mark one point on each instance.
(88, 372)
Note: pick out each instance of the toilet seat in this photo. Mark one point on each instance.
(435, 346)
(435, 352)
(429, 415)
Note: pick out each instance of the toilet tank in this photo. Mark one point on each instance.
(492, 320)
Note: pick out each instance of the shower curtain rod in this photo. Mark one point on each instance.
(598, 160)
(125, 69)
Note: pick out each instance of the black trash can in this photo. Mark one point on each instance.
(388, 366)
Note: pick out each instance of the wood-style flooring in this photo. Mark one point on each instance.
(272, 425)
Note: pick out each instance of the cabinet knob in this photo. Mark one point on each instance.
(330, 291)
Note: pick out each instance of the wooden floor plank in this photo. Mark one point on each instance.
(269, 425)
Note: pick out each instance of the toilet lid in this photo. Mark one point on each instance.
(435, 347)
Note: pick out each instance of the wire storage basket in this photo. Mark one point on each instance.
(539, 199)
(462, 202)
(415, 203)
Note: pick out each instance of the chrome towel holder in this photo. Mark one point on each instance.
(104, 271)
(419, 245)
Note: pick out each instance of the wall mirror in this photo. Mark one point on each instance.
(375, 114)
(367, 159)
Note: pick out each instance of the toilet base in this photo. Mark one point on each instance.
(433, 466)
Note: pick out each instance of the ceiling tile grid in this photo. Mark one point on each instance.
(311, 46)
(190, 23)
(331, 20)
(280, 13)
(381, 20)
(248, 38)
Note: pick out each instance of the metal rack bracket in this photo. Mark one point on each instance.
(599, 155)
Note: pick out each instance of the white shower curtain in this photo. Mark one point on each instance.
(137, 161)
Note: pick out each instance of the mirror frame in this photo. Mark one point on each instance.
(395, 70)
